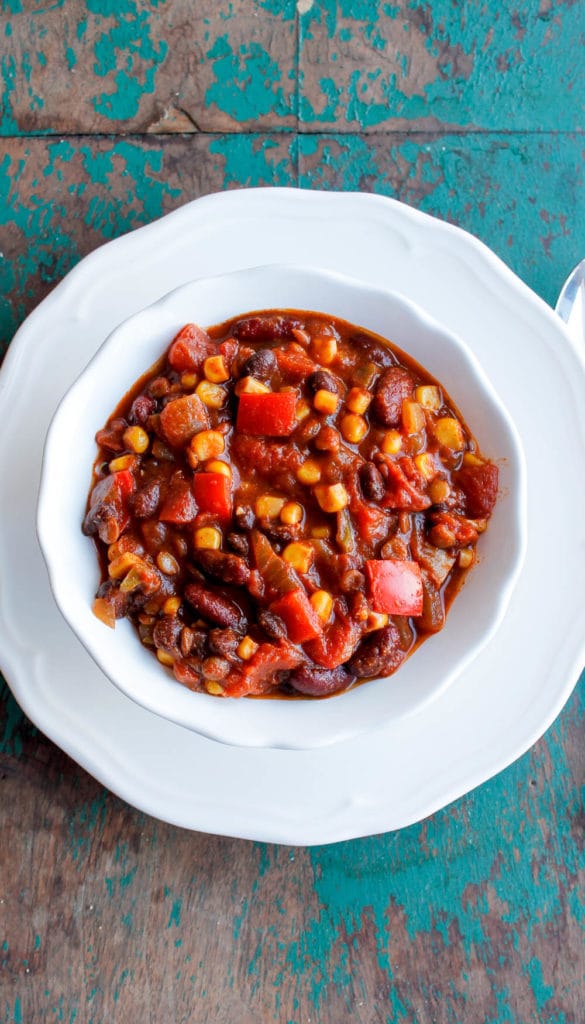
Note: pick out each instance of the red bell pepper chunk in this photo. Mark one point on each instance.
(271, 414)
(213, 494)
(395, 586)
(300, 618)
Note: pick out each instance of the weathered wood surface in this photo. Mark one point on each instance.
(474, 113)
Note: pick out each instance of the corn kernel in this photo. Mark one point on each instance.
(120, 566)
(469, 459)
(189, 380)
(332, 497)
(429, 396)
(300, 555)
(208, 537)
(216, 370)
(392, 442)
(358, 400)
(326, 401)
(214, 688)
(449, 433)
(207, 444)
(309, 472)
(269, 506)
(167, 563)
(321, 532)
(324, 349)
(322, 602)
(131, 581)
(439, 491)
(376, 620)
(413, 417)
(136, 439)
(247, 648)
(165, 658)
(466, 557)
(426, 465)
(303, 410)
(122, 462)
(291, 513)
(104, 611)
(217, 466)
(354, 428)
(251, 386)
(212, 395)
(171, 605)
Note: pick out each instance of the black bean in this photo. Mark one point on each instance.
(272, 625)
(239, 543)
(166, 633)
(372, 482)
(223, 641)
(261, 365)
(146, 501)
(379, 654)
(244, 517)
(321, 380)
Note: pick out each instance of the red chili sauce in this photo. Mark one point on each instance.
(285, 504)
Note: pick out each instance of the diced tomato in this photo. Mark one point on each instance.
(271, 414)
(191, 346)
(395, 586)
(125, 482)
(213, 494)
(182, 418)
(179, 505)
(403, 492)
(300, 618)
(337, 644)
(294, 363)
(261, 673)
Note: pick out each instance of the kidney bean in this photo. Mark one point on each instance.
(142, 407)
(111, 436)
(370, 349)
(319, 682)
(193, 642)
(261, 365)
(372, 482)
(394, 386)
(222, 565)
(379, 654)
(215, 607)
(265, 328)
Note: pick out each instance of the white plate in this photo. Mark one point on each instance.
(502, 702)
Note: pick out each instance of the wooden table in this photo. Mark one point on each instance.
(472, 112)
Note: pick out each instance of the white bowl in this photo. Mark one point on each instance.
(71, 557)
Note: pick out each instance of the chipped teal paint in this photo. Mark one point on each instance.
(474, 84)
(8, 125)
(13, 725)
(175, 914)
(542, 993)
(128, 50)
(84, 820)
(37, 944)
(71, 57)
(247, 82)
(252, 160)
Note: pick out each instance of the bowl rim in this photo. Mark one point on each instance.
(272, 735)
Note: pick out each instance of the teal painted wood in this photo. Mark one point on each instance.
(315, 64)
(523, 195)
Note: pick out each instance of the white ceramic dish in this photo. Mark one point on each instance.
(129, 351)
(497, 708)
